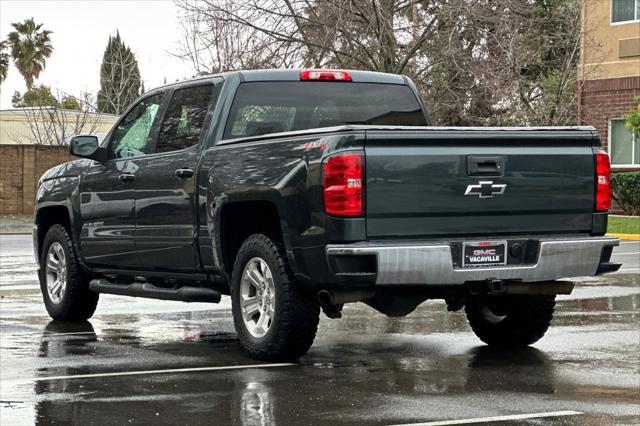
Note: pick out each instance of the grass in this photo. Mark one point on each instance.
(624, 225)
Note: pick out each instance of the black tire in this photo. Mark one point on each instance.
(296, 314)
(510, 321)
(77, 302)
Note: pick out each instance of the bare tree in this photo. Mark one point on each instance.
(382, 35)
(55, 125)
(483, 62)
(213, 42)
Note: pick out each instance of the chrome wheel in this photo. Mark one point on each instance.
(257, 297)
(56, 272)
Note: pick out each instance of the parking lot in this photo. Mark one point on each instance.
(155, 362)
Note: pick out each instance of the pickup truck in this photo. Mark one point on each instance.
(296, 191)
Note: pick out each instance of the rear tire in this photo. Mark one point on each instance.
(510, 321)
(274, 319)
(65, 289)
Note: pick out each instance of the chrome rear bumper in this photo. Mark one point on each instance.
(424, 263)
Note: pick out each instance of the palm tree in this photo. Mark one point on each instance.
(4, 61)
(30, 48)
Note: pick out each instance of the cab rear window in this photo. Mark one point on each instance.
(261, 108)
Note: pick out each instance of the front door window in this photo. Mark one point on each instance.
(132, 137)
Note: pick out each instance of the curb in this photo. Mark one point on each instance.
(631, 237)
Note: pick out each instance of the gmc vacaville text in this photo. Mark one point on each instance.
(296, 191)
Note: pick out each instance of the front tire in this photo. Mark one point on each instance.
(510, 320)
(64, 287)
(274, 319)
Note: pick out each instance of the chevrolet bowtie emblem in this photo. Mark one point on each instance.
(486, 189)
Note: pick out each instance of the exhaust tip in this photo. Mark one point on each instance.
(325, 297)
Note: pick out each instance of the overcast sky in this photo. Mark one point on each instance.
(81, 30)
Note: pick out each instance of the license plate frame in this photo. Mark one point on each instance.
(495, 250)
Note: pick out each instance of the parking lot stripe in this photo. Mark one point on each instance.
(167, 371)
(496, 418)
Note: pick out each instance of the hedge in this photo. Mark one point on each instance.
(625, 189)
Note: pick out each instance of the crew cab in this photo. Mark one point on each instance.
(296, 191)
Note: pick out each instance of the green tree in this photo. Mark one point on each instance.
(37, 96)
(4, 61)
(120, 81)
(633, 118)
(30, 48)
(70, 102)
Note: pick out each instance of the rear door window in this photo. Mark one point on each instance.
(254, 120)
(186, 116)
(271, 107)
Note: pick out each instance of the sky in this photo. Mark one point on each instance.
(81, 30)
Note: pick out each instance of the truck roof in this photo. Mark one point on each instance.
(293, 75)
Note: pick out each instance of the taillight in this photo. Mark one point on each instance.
(325, 75)
(343, 184)
(603, 180)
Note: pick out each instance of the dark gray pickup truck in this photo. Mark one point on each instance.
(296, 191)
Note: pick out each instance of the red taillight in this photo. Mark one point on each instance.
(343, 184)
(324, 75)
(603, 180)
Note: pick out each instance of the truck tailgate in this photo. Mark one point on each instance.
(479, 181)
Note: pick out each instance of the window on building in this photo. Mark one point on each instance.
(624, 147)
(625, 10)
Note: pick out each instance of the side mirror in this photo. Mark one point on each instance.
(86, 146)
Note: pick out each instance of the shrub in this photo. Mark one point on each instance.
(625, 189)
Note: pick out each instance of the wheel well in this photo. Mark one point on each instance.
(49, 216)
(240, 220)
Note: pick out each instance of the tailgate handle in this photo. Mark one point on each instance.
(485, 166)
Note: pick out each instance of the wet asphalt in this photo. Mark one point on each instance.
(154, 362)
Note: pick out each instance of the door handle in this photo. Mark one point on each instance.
(127, 177)
(485, 166)
(184, 173)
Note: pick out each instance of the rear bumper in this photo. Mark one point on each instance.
(422, 263)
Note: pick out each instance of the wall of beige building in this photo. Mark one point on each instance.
(609, 49)
(17, 125)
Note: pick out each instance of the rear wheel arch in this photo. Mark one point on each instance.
(241, 219)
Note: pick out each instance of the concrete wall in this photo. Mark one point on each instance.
(20, 168)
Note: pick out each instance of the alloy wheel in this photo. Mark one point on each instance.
(257, 297)
(56, 272)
